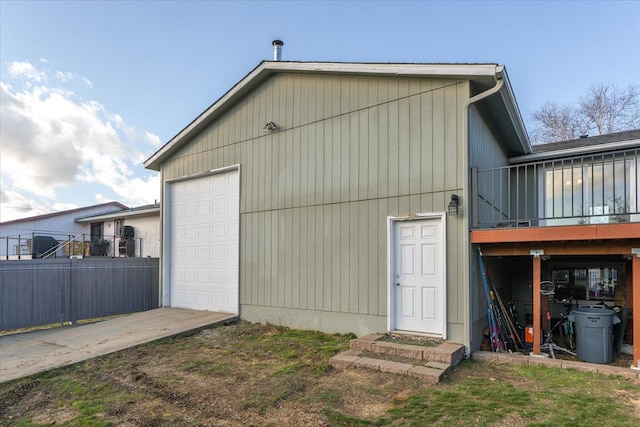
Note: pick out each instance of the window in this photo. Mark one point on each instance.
(596, 189)
(592, 282)
(96, 231)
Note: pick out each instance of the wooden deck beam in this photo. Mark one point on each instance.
(629, 230)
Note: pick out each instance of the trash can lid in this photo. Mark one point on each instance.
(596, 310)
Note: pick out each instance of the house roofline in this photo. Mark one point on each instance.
(475, 72)
(54, 214)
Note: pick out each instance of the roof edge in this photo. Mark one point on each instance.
(577, 151)
(510, 102)
(53, 214)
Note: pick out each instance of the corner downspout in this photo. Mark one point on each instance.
(465, 167)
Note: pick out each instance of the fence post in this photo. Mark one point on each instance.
(147, 294)
(63, 300)
(73, 302)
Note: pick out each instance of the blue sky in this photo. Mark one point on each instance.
(91, 89)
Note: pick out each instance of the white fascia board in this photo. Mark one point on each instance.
(266, 68)
(451, 71)
(119, 214)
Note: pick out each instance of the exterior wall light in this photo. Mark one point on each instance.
(270, 127)
(453, 205)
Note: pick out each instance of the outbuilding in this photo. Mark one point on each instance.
(335, 196)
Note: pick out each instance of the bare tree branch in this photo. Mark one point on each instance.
(604, 109)
(556, 123)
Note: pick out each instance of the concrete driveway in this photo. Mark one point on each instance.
(29, 353)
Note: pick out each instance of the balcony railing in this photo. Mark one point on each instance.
(597, 188)
(56, 245)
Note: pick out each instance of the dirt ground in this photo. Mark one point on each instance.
(242, 374)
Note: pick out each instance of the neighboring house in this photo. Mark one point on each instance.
(134, 231)
(315, 195)
(16, 236)
(91, 230)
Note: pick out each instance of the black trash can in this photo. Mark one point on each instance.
(594, 333)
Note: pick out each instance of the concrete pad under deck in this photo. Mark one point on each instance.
(29, 353)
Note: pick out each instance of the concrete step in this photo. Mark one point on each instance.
(426, 363)
(447, 352)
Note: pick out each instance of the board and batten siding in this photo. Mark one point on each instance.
(315, 194)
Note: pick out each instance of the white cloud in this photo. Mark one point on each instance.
(68, 76)
(14, 205)
(65, 77)
(64, 206)
(50, 140)
(102, 199)
(27, 71)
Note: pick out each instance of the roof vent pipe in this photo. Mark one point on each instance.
(277, 50)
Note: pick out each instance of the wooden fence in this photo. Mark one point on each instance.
(42, 292)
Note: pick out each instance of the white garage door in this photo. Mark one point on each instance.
(204, 238)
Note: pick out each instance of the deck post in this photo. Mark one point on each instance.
(536, 304)
(635, 279)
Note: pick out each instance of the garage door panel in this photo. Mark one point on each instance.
(204, 231)
(189, 253)
(190, 297)
(204, 275)
(203, 299)
(190, 187)
(204, 241)
(204, 208)
(220, 206)
(219, 275)
(177, 298)
(204, 253)
(219, 229)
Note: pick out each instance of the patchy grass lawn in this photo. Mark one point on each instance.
(250, 374)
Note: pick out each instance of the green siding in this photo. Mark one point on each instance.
(316, 194)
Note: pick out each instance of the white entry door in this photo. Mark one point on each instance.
(419, 279)
(203, 243)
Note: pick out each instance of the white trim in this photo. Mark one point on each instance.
(165, 253)
(391, 220)
(216, 171)
(416, 69)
